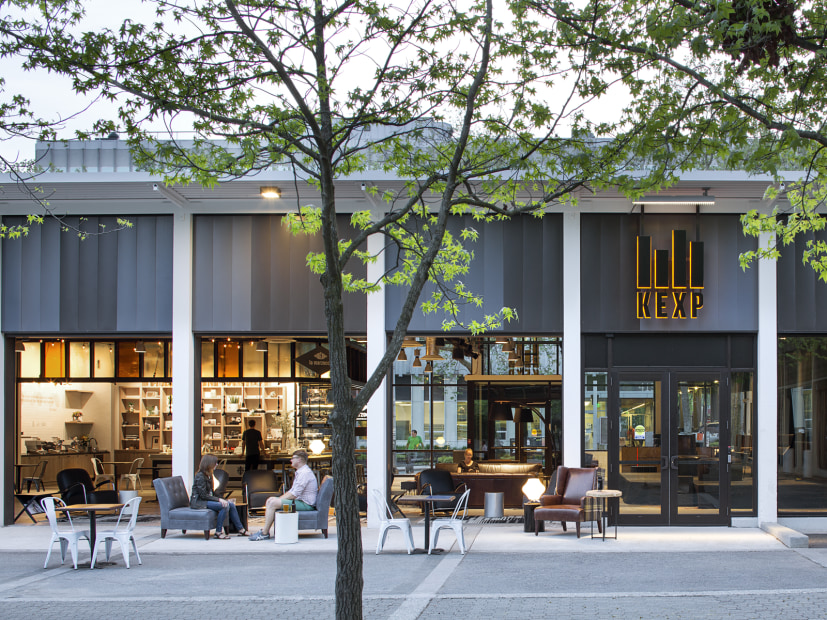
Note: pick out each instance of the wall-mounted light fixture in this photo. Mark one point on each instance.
(270, 192)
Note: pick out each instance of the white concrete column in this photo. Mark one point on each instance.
(766, 388)
(572, 371)
(184, 411)
(378, 440)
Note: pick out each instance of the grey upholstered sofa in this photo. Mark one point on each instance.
(176, 513)
(317, 519)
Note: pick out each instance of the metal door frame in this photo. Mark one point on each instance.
(670, 378)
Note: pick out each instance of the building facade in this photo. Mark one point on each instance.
(642, 348)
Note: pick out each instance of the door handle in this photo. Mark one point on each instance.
(664, 463)
(675, 462)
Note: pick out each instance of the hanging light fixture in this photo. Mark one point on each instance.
(500, 412)
(416, 362)
(140, 347)
(261, 346)
(19, 347)
(402, 357)
(429, 368)
(508, 347)
(430, 351)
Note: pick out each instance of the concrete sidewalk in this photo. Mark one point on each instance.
(646, 573)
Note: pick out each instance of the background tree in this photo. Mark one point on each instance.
(461, 105)
(738, 85)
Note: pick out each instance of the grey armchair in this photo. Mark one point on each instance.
(176, 513)
(317, 519)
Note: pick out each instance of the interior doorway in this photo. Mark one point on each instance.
(668, 447)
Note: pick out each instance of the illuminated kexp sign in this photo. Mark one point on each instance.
(669, 289)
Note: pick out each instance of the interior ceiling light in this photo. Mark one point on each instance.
(430, 351)
(416, 362)
(508, 347)
(676, 201)
(402, 357)
(410, 343)
(19, 347)
(261, 346)
(139, 347)
(270, 192)
(429, 368)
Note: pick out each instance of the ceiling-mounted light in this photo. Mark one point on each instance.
(261, 346)
(270, 192)
(19, 347)
(430, 351)
(140, 347)
(501, 339)
(675, 201)
(410, 343)
(508, 346)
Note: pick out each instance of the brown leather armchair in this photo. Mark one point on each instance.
(568, 503)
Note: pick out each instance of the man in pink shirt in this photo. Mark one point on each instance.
(302, 494)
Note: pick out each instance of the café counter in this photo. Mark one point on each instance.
(58, 461)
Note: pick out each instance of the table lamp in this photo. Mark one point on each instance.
(533, 489)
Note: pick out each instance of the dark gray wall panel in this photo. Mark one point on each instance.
(802, 297)
(608, 259)
(53, 282)
(251, 275)
(517, 263)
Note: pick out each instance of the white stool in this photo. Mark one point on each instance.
(287, 528)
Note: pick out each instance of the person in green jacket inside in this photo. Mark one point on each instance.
(414, 443)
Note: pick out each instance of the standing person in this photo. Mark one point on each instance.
(302, 494)
(414, 443)
(203, 496)
(253, 446)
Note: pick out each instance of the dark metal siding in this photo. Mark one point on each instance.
(251, 275)
(802, 297)
(517, 263)
(608, 254)
(116, 282)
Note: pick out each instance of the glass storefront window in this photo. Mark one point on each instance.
(742, 422)
(128, 360)
(79, 360)
(802, 426)
(30, 360)
(207, 358)
(154, 360)
(226, 362)
(253, 360)
(55, 359)
(595, 420)
(278, 359)
(104, 359)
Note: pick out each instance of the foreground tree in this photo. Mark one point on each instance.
(299, 84)
(733, 84)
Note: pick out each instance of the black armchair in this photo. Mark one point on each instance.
(223, 480)
(440, 482)
(258, 485)
(76, 487)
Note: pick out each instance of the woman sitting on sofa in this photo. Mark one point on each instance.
(469, 464)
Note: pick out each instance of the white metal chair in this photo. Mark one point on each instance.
(67, 537)
(124, 535)
(387, 522)
(100, 472)
(134, 476)
(454, 522)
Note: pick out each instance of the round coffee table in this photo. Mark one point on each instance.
(605, 495)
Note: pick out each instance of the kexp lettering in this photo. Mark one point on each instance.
(670, 289)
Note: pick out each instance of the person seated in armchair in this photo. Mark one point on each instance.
(203, 496)
(302, 495)
(468, 464)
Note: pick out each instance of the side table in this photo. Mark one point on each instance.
(287, 528)
(528, 518)
(605, 495)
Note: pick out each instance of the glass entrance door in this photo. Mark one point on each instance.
(665, 451)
